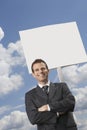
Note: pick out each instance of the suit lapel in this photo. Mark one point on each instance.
(52, 90)
(43, 95)
(40, 92)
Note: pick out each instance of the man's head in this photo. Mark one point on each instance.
(40, 70)
(38, 61)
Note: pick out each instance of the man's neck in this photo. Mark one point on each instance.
(43, 84)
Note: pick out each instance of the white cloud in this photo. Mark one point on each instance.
(13, 55)
(4, 68)
(70, 74)
(81, 119)
(81, 101)
(3, 109)
(75, 74)
(10, 57)
(16, 121)
(8, 108)
(1, 34)
(16, 53)
(8, 84)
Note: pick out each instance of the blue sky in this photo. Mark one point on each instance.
(16, 15)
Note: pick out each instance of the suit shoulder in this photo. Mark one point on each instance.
(30, 92)
(60, 84)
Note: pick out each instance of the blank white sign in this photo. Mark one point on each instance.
(58, 44)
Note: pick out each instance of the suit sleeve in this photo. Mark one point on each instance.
(66, 104)
(36, 117)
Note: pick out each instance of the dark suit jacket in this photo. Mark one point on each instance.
(60, 99)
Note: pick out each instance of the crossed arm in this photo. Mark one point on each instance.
(65, 105)
(37, 116)
(43, 108)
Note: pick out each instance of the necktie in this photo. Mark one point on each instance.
(45, 89)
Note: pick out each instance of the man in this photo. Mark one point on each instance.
(51, 109)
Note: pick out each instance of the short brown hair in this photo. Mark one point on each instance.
(38, 61)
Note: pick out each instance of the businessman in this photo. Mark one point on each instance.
(49, 105)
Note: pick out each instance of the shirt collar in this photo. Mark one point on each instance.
(48, 84)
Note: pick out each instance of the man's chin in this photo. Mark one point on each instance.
(43, 80)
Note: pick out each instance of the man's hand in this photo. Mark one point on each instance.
(61, 113)
(43, 108)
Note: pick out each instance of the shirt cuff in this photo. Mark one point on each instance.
(48, 107)
(57, 113)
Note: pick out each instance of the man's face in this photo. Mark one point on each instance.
(40, 72)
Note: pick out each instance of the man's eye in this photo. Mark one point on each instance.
(36, 70)
(43, 69)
